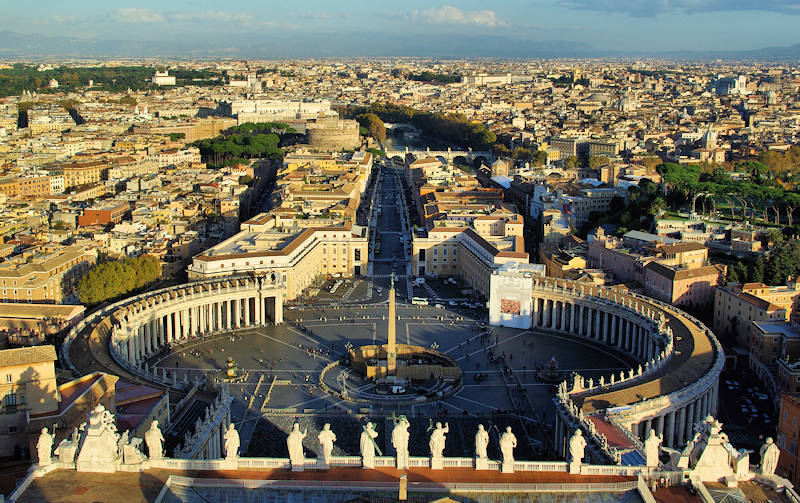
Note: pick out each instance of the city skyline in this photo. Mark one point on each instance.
(543, 28)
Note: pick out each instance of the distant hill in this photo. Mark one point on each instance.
(367, 44)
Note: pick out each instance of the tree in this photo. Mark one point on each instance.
(784, 261)
(657, 207)
(500, 150)
(596, 161)
(539, 158)
(732, 275)
(521, 154)
(757, 274)
(374, 126)
(108, 280)
(245, 180)
(571, 162)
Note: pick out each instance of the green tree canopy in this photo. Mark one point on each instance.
(374, 125)
(108, 280)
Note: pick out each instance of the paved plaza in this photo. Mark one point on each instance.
(284, 363)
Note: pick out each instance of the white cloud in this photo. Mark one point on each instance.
(211, 16)
(324, 15)
(649, 8)
(447, 14)
(136, 15)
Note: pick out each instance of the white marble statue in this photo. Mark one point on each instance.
(326, 439)
(507, 444)
(154, 440)
(577, 447)
(232, 442)
(295, 444)
(769, 457)
(44, 447)
(67, 449)
(367, 444)
(400, 438)
(481, 442)
(652, 448)
(437, 440)
(131, 454)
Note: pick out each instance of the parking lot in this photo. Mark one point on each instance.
(745, 408)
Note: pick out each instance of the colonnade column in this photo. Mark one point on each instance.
(682, 425)
(670, 433)
(278, 308)
(169, 328)
(660, 425)
(535, 313)
(246, 301)
(597, 334)
(580, 319)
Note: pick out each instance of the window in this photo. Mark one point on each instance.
(12, 399)
(357, 254)
(8, 377)
(12, 429)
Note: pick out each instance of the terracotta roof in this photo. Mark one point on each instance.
(27, 356)
(681, 247)
(482, 242)
(682, 274)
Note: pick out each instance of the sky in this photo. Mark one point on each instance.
(610, 25)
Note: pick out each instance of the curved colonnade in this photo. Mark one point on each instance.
(672, 388)
(142, 326)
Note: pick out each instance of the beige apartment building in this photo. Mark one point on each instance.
(463, 253)
(83, 173)
(299, 256)
(28, 387)
(736, 305)
(44, 277)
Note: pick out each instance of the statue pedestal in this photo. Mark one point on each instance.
(66, 453)
(507, 467)
(231, 463)
(298, 468)
(481, 463)
(437, 463)
(322, 465)
(574, 467)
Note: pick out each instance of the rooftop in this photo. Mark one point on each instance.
(27, 356)
(70, 486)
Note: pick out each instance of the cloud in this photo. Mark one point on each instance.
(324, 15)
(218, 18)
(211, 16)
(649, 8)
(448, 14)
(136, 15)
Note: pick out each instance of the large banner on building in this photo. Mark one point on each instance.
(508, 306)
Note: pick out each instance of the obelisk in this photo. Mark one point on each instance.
(391, 343)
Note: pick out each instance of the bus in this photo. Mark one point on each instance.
(419, 301)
